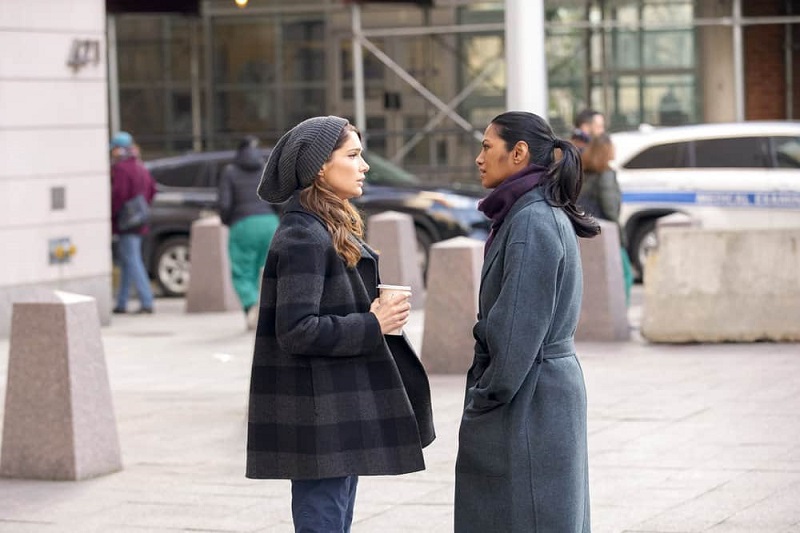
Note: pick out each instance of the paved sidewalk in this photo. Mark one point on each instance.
(682, 439)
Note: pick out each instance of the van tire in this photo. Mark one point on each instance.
(644, 241)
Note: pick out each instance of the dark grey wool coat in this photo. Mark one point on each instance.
(522, 458)
(330, 396)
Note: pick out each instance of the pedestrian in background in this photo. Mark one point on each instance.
(332, 397)
(130, 178)
(522, 460)
(252, 223)
(601, 196)
(589, 123)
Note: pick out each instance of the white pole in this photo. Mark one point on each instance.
(526, 63)
(358, 73)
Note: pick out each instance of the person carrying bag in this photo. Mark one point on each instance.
(132, 192)
(134, 214)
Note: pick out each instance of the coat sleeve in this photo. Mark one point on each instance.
(304, 261)
(516, 325)
(609, 195)
(225, 196)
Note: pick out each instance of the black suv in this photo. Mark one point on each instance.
(187, 190)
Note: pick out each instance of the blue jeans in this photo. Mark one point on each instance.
(323, 505)
(132, 271)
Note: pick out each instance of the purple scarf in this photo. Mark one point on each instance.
(499, 202)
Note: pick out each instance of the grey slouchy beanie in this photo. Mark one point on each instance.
(298, 157)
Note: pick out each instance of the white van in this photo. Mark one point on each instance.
(740, 175)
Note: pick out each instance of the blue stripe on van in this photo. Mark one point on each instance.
(768, 200)
(660, 197)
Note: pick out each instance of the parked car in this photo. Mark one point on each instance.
(735, 176)
(187, 190)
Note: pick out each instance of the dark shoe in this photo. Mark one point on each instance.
(118, 311)
(145, 311)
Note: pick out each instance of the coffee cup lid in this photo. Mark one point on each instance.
(395, 287)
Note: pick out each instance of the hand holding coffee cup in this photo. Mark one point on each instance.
(392, 308)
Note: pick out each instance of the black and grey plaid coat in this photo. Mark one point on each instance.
(330, 396)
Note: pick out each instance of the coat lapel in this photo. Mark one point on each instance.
(368, 270)
(367, 267)
(491, 255)
(498, 243)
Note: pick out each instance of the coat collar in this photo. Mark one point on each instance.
(530, 197)
(367, 267)
(293, 205)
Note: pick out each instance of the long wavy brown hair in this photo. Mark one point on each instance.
(597, 154)
(341, 218)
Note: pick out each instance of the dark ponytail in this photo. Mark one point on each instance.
(564, 185)
(564, 178)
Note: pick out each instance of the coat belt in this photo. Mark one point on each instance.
(562, 348)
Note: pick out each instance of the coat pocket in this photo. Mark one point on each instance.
(483, 443)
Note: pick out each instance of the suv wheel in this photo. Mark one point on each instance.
(644, 241)
(424, 243)
(172, 266)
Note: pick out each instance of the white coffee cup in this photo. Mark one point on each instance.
(389, 293)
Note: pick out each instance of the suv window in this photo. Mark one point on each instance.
(671, 155)
(215, 169)
(736, 152)
(787, 152)
(182, 175)
(384, 172)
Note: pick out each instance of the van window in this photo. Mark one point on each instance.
(736, 152)
(787, 151)
(670, 155)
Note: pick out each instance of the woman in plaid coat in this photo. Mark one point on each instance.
(331, 397)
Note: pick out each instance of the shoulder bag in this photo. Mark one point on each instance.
(134, 214)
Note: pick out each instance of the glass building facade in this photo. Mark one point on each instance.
(203, 82)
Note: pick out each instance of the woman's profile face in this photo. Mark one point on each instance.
(346, 169)
(494, 161)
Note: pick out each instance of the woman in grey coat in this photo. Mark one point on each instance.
(522, 457)
(331, 397)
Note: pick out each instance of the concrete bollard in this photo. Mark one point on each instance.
(59, 421)
(707, 285)
(392, 235)
(454, 276)
(604, 314)
(210, 286)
